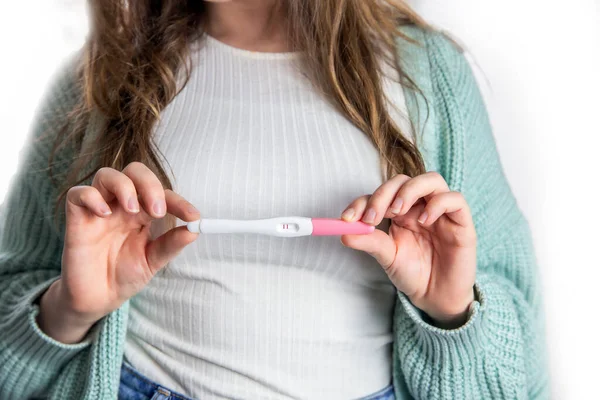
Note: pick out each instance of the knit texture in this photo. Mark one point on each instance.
(498, 353)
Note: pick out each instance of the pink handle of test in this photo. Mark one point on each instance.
(333, 226)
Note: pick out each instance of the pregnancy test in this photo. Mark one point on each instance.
(282, 226)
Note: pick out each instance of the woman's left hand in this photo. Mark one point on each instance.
(429, 252)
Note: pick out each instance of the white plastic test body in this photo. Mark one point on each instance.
(280, 226)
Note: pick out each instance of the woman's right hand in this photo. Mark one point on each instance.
(109, 257)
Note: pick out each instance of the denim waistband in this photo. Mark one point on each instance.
(387, 393)
(135, 386)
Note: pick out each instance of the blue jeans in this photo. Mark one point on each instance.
(135, 386)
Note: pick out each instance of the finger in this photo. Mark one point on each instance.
(148, 187)
(89, 198)
(423, 186)
(453, 204)
(180, 207)
(378, 244)
(355, 209)
(112, 183)
(165, 247)
(381, 200)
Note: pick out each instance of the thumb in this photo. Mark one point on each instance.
(378, 244)
(165, 247)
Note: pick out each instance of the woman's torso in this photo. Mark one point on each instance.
(252, 316)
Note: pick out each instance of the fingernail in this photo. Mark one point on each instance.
(422, 217)
(159, 207)
(105, 210)
(369, 215)
(348, 214)
(396, 206)
(133, 205)
(193, 209)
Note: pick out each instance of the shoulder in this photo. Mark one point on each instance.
(64, 84)
(433, 52)
(51, 115)
(439, 67)
(63, 91)
(455, 121)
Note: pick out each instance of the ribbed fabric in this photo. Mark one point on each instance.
(498, 353)
(251, 316)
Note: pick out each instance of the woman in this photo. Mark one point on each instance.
(264, 109)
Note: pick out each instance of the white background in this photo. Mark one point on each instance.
(538, 66)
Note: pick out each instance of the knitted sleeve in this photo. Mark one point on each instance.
(499, 353)
(30, 255)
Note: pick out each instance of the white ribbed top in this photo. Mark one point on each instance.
(252, 316)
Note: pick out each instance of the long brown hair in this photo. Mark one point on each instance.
(136, 50)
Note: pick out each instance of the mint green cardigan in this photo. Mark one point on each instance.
(498, 353)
